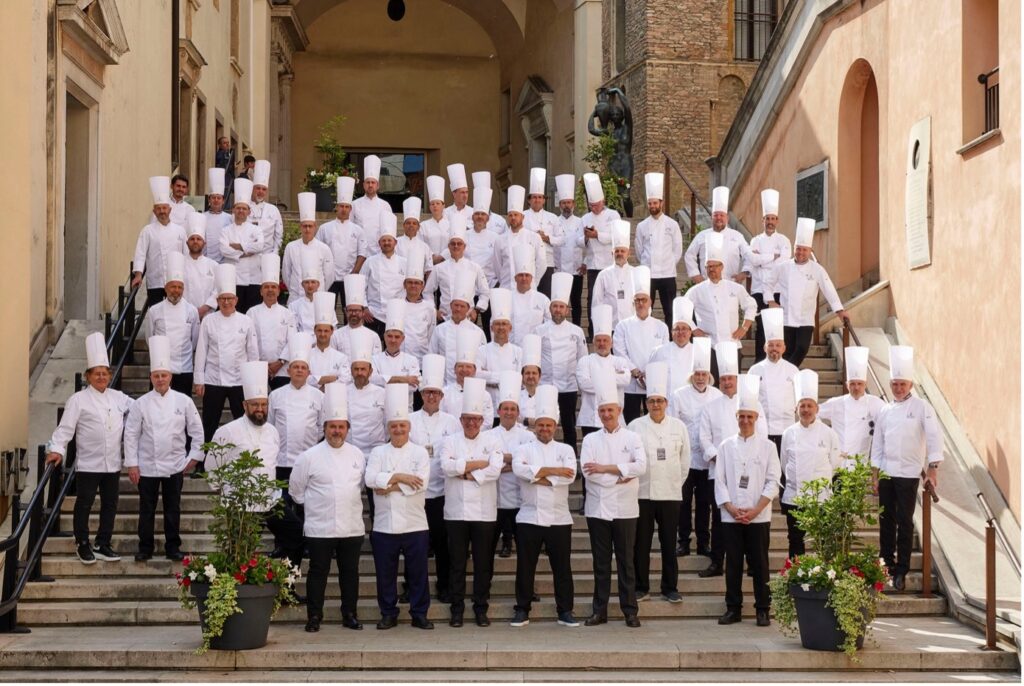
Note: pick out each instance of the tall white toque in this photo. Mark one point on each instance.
(516, 199)
(243, 192)
(804, 232)
(215, 180)
(371, 167)
(346, 188)
(509, 384)
(565, 187)
(720, 199)
(656, 379)
(481, 179)
(727, 356)
(561, 287)
(160, 188)
(270, 268)
(605, 389)
(501, 305)
(226, 279)
(261, 173)
(806, 385)
(748, 389)
(857, 363)
(701, 354)
(174, 267)
(901, 363)
(323, 308)
(307, 207)
(592, 184)
(772, 320)
(396, 402)
(159, 353)
(538, 181)
(96, 351)
(654, 184)
(602, 316)
(466, 345)
(335, 402)
(457, 176)
(532, 345)
(545, 402)
(474, 391)
(432, 369)
(682, 311)
(769, 202)
(355, 289)
(435, 188)
(255, 382)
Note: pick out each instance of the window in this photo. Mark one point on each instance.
(620, 34)
(812, 194)
(235, 31)
(505, 121)
(980, 72)
(754, 22)
(401, 175)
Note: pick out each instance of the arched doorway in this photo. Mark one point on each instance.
(857, 177)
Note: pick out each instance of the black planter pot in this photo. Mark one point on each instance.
(819, 628)
(325, 199)
(247, 630)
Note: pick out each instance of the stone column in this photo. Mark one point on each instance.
(586, 72)
(284, 146)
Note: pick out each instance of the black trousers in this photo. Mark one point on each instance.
(484, 320)
(545, 282)
(759, 353)
(794, 533)
(664, 513)
(182, 383)
(287, 528)
(557, 542)
(898, 498)
(666, 291)
(321, 551)
(283, 474)
(338, 288)
(277, 382)
(696, 518)
(107, 484)
(169, 487)
(480, 535)
(506, 526)
(412, 547)
(576, 299)
(439, 543)
(248, 296)
(377, 326)
(634, 405)
(605, 536)
(154, 295)
(213, 406)
(798, 343)
(717, 544)
(591, 280)
(748, 541)
(777, 440)
(567, 417)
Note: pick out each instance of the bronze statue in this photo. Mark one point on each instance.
(615, 118)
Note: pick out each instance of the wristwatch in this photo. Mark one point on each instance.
(933, 465)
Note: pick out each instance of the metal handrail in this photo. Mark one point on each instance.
(671, 162)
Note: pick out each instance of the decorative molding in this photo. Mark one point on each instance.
(104, 45)
(190, 61)
(236, 66)
(534, 107)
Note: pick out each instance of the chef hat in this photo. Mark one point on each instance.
(312, 270)
(464, 285)
(254, 380)
(395, 320)
(901, 363)
(481, 179)
(806, 385)
(457, 176)
(714, 248)
(474, 394)
(396, 402)
(96, 351)
(215, 180)
(641, 279)
(523, 259)
(501, 305)
(346, 187)
(243, 192)
(160, 187)
(509, 384)
(388, 226)
(656, 379)
(602, 318)
(620, 234)
(804, 232)
(720, 199)
(435, 188)
(516, 197)
(261, 173)
(769, 202)
(456, 227)
(415, 257)
(432, 369)
(531, 346)
(226, 279)
(466, 345)
(748, 389)
(307, 207)
(565, 187)
(605, 389)
(361, 352)
(335, 403)
(538, 180)
(701, 354)
(771, 321)
(857, 363)
(371, 167)
(174, 266)
(726, 354)
(654, 184)
(300, 344)
(682, 311)
(561, 287)
(592, 184)
(323, 308)
(195, 225)
(482, 200)
(159, 353)
(411, 209)
(270, 268)
(355, 290)
(545, 402)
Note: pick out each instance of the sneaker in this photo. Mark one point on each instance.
(106, 553)
(642, 596)
(85, 555)
(672, 597)
(522, 618)
(567, 619)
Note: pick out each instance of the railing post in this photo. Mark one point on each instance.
(35, 525)
(693, 215)
(52, 491)
(926, 545)
(9, 622)
(990, 586)
(816, 338)
(667, 190)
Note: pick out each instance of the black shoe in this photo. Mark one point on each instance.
(106, 553)
(632, 621)
(350, 621)
(142, 557)
(197, 475)
(595, 620)
(899, 582)
(672, 597)
(535, 598)
(277, 553)
(386, 623)
(403, 598)
(567, 619)
(730, 617)
(456, 620)
(506, 550)
(176, 555)
(706, 552)
(297, 599)
(683, 551)
(444, 597)
(482, 620)
(313, 625)
(421, 623)
(522, 618)
(762, 618)
(714, 569)
(642, 596)
(85, 554)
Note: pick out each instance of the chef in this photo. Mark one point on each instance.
(530, 308)
(481, 242)
(598, 226)
(200, 270)
(443, 340)
(274, 322)
(181, 208)
(544, 224)
(215, 218)
(265, 215)
(495, 222)
(499, 355)
(344, 237)
(177, 319)
(763, 277)
(777, 378)
(854, 414)
(505, 267)
(530, 372)
(420, 314)
(459, 185)
(295, 408)
(307, 248)
(365, 405)
(391, 365)
(734, 248)
(156, 240)
(370, 211)
(659, 244)
(466, 351)
(511, 433)
(326, 363)
(385, 275)
(678, 353)
(301, 303)
(241, 244)
(614, 285)
(595, 365)
(434, 229)
(411, 209)
(354, 334)
(457, 265)
(635, 338)
(569, 255)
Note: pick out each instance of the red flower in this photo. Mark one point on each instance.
(788, 564)
(253, 562)
(240, 578)
(186, 562)
(270, 575)
(856, 572)
(186, 581)
(879, 586)
(244, 568)
(177, 576)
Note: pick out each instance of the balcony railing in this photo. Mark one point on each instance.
(990, 82)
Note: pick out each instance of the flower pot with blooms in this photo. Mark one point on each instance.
(334, 163)
(831, 594)
(236, 588)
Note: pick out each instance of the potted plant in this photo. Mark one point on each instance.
(236, 588)
(831, 594)
(334, 163)
(598, 157)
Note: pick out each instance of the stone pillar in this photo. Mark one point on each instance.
(586, 72)
(278, 191)
(284, 146)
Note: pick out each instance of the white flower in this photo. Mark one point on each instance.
(816, 570)
(210, 571)
(806, 587)
(831, 574)
(800, 572)
(290, 580)
(193, 575)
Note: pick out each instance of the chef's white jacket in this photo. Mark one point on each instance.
(907, 438)
(614, 287)
(443, 342)
(529, 311)
(587, 371)
(248, 271)
(386, 366)
(302, 309)
(734, 248)
(267, 217)
(224, 344)
(366, 417)
(200, 281)
(296, 253)
(213, 231)
(548, 223)
(385, 280)
(273, 325)
(504, 263)
(96, 421)
(328, 362)
(452, 403)
(758, 460)
(853, 420)
(328, 482)
(296, 414)
(368, 214)
(245, 435)
(659, 245)
(597, 252)
(492, 359)
(349, 340)
(808, 453)
(442, 276)
(716, 307)
(798, 288)
(180, 323)
(687, 404)
(764, 277)
(481, 248)
(154, 244)
(542, 505)
(343, 238)
(472, 497)
(401, 511)
(508, 483)
(569, 255)
(428, 431)
(155, 430)
(636, 339)
(680, 364)
(420, 322)
(403, 249)
(608, 497)
(718, 422)
(777, 393)
(667, 446)
(562, 346)
(435, 233)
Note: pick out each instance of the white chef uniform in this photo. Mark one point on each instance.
(155, 243)
(296, 414)
(155, 431)
(296, 252)
(246, 260)
(607, 498)
(180, 324)
(777, 397)
(753, 461)
(225, 342)
(328, 482)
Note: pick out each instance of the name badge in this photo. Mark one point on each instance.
(620, 294)
(744, 481)
(430, 451)
(661, 453)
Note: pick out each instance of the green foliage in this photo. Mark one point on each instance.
(334, 159)
(831, 514)
(221, 603)
(598, 157)
(292, 232)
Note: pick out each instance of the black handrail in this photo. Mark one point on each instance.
(668, 158)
